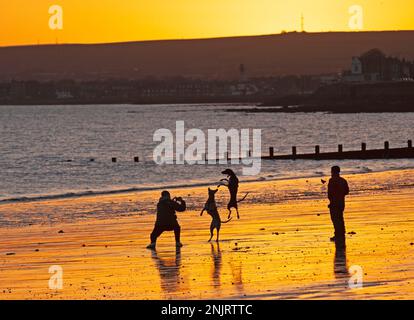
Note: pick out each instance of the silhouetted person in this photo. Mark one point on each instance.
(337, 191)
(167, 219)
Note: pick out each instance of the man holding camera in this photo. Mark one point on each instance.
(167, 219)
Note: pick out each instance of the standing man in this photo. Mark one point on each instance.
(167, 219)
(337, 191)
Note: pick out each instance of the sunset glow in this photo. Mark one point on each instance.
(93, 21)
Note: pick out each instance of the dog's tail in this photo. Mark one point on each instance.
(227, 220)
(243, 198)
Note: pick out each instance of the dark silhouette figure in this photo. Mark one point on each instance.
(211, 208)
(167, 219)
(337, 191)
(233, 184)
(169, 269)
(217, 264)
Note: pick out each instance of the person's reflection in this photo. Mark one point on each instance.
(236, 271)
(169, 269)
(217, 263)
(340, 262)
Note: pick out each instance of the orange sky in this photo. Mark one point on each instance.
(91, 21)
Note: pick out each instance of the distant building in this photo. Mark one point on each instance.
(356, 66)
(17, 90)
(63, 94)
(65, 89)
(375, 66)
(329, 79)
(243, 89)
(355, 74)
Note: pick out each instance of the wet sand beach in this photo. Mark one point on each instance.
(279, 249)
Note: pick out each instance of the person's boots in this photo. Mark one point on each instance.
(151, 246)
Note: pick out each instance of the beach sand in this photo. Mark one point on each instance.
(279, 249)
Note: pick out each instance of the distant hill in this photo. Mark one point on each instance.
(284, 54)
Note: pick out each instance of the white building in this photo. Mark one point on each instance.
(356, 74)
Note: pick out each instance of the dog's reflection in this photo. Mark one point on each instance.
(340, 261)
(236, 267)
(217, 264)
(169, 269)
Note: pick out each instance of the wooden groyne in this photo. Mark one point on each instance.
(362, 154)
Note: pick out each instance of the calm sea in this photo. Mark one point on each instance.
(45, 151)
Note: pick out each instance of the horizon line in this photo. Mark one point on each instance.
(282, 33)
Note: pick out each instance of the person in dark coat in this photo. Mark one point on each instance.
(338, 189)
(167, 218)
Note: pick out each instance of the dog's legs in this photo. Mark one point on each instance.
(237, 210)
(229, 214)
(211, 232)
(218, 230)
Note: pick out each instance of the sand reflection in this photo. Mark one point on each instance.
(169, 269)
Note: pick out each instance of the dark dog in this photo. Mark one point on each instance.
(211, 209)
(233, 185)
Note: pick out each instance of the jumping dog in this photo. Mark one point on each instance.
(233, 184)
(211, 208)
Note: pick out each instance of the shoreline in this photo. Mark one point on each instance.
(143, 203)
(92, 193)
(256, 105)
